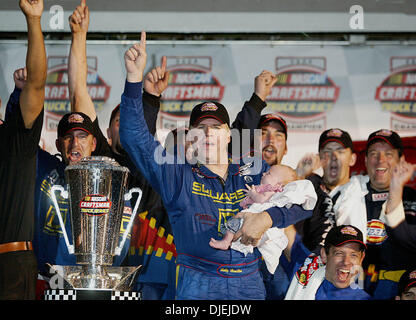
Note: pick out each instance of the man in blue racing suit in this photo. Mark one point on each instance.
(200, 197)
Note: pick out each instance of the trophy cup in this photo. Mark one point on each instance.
(96, 192)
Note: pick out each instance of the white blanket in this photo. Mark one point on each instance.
(274, 240)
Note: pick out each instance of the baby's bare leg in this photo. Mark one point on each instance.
(224, 243)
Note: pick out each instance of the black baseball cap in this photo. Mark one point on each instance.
(339, 235)
(407, 281)
(209, 109)
(336, 135)
(386, 135)
(273, 117)
(114, 113)
(75, 121)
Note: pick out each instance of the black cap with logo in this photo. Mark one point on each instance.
(336, 135)
(210, 109)
(265, 118)
(75, 121)
(388, 136)
(339, 235)
(407, 281)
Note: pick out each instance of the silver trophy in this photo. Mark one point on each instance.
(96, 192)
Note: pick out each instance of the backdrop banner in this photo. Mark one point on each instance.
(359, 89)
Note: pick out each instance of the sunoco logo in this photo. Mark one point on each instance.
(191, 82)
(397, 93)
(57, 93)
(303, 92)
(376, 232)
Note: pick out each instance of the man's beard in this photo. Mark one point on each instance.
(272, 153)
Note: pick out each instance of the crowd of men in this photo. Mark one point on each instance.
(358, 243)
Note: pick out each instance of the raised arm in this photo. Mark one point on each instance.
(393, 210)
(33, 94)
(77, 64)
(249, 116)
(401, 174)
(154, 83)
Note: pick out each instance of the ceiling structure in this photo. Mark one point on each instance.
(224, 19)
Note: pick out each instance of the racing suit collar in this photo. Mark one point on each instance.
(233, 169)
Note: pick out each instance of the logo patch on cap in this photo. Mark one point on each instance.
(334, 133)
(209, 106)
(384, 133)
(75, 118)
(349, 230)
(412, 275)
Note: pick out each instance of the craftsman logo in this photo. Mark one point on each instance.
(57, 102)
(349, 230)
(190, 82)
(303, 93)
(380, 196)
(397, 93)
(376, 232)
(95, 205)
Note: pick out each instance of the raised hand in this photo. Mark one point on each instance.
(31, 8)
(156, 81)
(307, 165)
(80, 18)
(263, 84)
(401, 174)
(33, 94)
(135, 60)
(20, 77)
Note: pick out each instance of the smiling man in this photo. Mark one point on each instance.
(332, 275)
(391, 214)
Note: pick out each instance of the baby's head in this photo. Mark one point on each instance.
(279, 173)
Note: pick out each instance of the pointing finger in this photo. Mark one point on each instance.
(164, 64)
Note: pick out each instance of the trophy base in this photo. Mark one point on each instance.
(84, 294)
(94, 277)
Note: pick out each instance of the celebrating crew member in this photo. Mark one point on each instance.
(156, 280)
(20, 135)
(200, 197)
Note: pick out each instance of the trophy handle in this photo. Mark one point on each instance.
(130, 224)
(64, 194)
